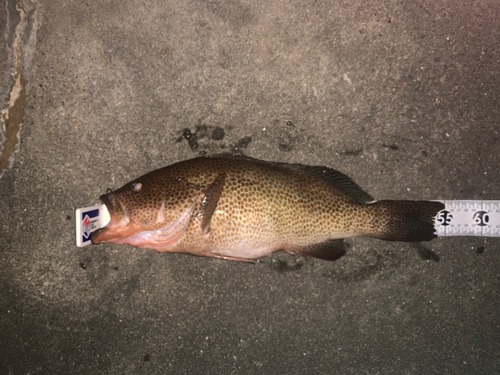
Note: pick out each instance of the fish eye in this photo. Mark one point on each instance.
(137, 187)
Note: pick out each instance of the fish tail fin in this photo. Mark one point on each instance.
(407, 221)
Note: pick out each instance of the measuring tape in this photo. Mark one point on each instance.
(469, 218)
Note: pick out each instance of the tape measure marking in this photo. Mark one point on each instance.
(469, 218)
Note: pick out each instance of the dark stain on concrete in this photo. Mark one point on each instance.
(202, 138)
(218, 134)
(393, 147)
(285, 147)
(13, 124)
(353, 152)
(190, 137)
(14, 20)
(242, 143)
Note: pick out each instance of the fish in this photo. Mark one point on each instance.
(240, 208)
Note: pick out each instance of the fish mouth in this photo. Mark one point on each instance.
(107, 202)
(114, 231)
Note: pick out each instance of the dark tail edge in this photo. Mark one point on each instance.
(406, 221)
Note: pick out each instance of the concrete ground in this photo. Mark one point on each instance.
(403, 96)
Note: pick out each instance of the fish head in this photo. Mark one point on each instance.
(151, 211)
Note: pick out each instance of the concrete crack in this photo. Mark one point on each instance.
(12, 116)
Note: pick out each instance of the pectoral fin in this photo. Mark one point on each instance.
(209, 203)
(329, 250)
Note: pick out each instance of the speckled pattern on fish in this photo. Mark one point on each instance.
(238, 207)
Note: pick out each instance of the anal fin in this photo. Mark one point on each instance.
(209, 203)
(328, 250)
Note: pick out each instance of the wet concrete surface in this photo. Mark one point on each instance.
(401, 96)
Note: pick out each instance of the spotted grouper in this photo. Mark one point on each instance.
(239, 208)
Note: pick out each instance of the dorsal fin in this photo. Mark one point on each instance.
(331, 177)
(210, 201)
(334, 179)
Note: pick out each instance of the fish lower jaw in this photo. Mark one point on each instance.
(159, 239)
(148, 240)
